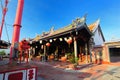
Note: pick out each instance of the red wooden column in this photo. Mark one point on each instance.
(3, 17)
(17, 26)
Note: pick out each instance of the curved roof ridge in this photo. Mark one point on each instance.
(94, 25)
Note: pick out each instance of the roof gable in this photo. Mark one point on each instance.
(96, 26)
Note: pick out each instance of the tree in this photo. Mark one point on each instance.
(2, 52)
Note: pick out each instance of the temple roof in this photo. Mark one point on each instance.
(76, 24)
(94, 25)
(37, 38)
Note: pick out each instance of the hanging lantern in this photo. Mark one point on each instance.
(60, 39)
(30, 42)
(48, 44)
(42, 46)
(50, 40)
(36, 46)
(40, 41)
(65, 39)
(76, 32)
(69, 41)
(70, 37)
(54, 39)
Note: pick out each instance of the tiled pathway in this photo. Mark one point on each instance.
(59, 71)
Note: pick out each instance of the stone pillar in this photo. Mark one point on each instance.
(90, 50)
(86, 53)
(43, 59)
(75, 47)
(106, 56)
(90, 55)
(108, 53)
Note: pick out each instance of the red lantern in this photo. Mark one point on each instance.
(48, 44)
(69, 41)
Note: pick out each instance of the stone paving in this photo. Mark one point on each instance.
(104, 72)
(54, 71)
(59, 71)
(49, 72)
(3, 62)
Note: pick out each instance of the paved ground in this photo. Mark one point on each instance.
(55, 70)
(60, 71)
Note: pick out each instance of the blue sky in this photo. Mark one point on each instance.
(41, 15)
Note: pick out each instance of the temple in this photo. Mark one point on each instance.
(77, 39)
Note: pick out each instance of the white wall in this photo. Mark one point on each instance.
(98, 38)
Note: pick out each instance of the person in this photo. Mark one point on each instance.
(15, 56)
(81, 56)
(94, 60)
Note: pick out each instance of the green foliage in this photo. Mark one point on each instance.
(72, 58)
(76, 59)
(2, 52)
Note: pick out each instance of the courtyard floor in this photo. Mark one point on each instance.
(55, 70)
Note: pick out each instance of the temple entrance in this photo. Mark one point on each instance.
(60, 48)
(83, 51)
(114, 54)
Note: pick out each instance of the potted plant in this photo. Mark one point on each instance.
(2, 53)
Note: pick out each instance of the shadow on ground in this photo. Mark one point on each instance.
(47, 71)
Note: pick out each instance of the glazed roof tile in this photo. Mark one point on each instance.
(93, 25)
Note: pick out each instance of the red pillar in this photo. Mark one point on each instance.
(1, 27)
(3, 17)
(17, 26)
